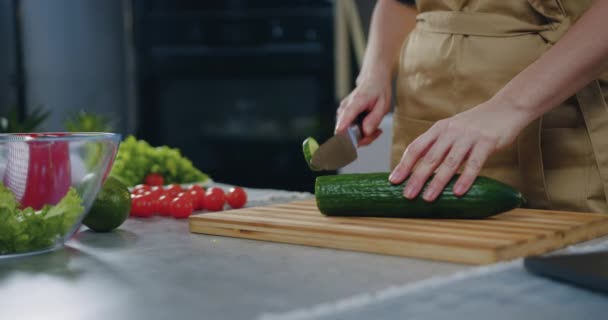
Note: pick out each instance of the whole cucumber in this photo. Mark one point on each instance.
(372, 195)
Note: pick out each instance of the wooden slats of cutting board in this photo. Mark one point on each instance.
(517, 233)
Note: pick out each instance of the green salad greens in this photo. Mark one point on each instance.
(136, 159)
(23, 230)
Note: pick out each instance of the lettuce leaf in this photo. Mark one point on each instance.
(7, 199)
(23, 230)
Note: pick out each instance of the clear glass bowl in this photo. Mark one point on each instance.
(48, 184)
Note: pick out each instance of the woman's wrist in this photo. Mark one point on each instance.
(377, 72)
(522, 112)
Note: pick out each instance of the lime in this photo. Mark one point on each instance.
(111, 207)
(309, 146)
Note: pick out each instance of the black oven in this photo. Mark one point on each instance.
(237, 85)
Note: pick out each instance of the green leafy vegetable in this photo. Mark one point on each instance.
(136, 159)
(23, 230)
(7, 199)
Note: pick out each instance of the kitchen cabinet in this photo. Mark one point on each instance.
(237, 85)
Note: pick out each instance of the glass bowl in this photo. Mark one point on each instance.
(49, 182)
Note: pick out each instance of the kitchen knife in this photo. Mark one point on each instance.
(341, 149)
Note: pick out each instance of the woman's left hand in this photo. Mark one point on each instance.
(466, 139)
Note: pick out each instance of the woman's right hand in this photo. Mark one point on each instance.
(372, 94)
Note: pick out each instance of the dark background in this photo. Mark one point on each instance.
(237, 85)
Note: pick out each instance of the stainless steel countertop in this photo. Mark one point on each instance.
(156, 269)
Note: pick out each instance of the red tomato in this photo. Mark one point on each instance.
(189, 197)
(147, 205)
(154, 179)
(173, 189)
(181, 208)
(196, 187)
(214, 199)
(200, 201)
(136, 205)
(198, 198)
(145, 187)
(164, 205)
(139, 191)
(236, 197)
(157, 191)
(141, 206)
(155, 206)
(184, 194)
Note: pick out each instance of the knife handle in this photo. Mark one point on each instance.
(359, 120)
(359, 123)
(355, 131)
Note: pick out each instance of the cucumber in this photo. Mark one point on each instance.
(372, 195)
(309, 146)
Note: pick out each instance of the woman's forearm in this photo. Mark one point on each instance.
(390, 24)
(579, 57)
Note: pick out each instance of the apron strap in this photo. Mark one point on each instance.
(478, 24)
(595, 113)
(530, 158)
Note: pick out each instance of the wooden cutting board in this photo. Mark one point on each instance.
(517, 233)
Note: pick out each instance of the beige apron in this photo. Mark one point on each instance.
(463, 51)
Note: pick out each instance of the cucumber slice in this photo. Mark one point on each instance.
(309, 146)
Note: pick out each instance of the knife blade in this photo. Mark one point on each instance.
(339, 150)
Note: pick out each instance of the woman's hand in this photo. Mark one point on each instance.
(466, 139)
(372, 94)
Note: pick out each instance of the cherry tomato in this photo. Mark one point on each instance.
(181, 208)
(198, 199)
(236, 197)
(154, 179)
(141, 206)
(214, 199)
(196, 187)
(157, 191)
(173, 189)
(145, 187)
(140, 191)
(147, 205)
(187, 195)
(184, 194)
(136, 205)
(164, 205)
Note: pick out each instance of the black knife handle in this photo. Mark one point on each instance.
(359, 121)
